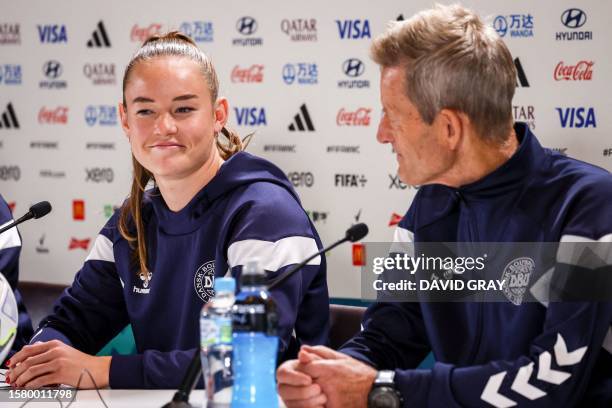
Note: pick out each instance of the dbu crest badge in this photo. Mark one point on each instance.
(516, 278)
(204, 281)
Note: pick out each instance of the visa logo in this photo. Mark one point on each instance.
(577, 117)
(250, 116)
(52, 33)
(353, 29)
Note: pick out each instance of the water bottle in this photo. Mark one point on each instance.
(216, 344)
(255, 322)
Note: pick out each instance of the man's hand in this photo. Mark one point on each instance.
(346, 382)
(323, 377)
(296, 388)
(54, 362)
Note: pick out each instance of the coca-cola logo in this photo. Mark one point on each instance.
(254, 73)
(360, 117)
(582, 71)
(58, 115)
(142, 33)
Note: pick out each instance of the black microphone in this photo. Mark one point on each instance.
(36, 211)
(355, 233)
(181, 397)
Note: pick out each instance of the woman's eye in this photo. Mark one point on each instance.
(185, 109)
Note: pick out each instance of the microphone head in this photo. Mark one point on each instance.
(40, 209)
(357, 232)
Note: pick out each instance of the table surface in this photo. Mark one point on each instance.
(113, 399)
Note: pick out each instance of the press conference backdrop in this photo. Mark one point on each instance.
(296, 73)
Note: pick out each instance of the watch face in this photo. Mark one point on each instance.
(383, 397)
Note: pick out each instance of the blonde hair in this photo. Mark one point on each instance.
(453, 60)
(170, 44)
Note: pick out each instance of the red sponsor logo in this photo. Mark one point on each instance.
(78, 210)
(582, 71)
(79, 243)
(360, 117)
(252, 74)
(395, 219)
(58, 115)
(142, 33)
(11, 206)
(359, 258)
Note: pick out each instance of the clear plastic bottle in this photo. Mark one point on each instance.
(216, 344)
(255, 323)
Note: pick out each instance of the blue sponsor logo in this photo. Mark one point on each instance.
(102, 115)
(10, 74)
(246, 25)
(577, 117)
(52, 33)
(518, 25)
(353, 29)
(302, 73)
(353, 67)
(199, 31)
(250, 116)
(573, 18)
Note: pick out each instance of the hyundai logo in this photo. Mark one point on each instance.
(353, 67)
(246, 25)
(573, 18)
(52, 69)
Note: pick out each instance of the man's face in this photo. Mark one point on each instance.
(422, 159)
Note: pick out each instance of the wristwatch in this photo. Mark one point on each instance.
(383, 393)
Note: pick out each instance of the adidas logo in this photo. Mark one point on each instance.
(99, 38)
(299, 119)
(520, 73)
(9, 119)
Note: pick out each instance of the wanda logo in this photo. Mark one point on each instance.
(252, 74)
(58, 115)
(582, 71)
(360, 117)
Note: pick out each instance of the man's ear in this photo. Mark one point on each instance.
(221, 112)
(124, 121)
(451, 125)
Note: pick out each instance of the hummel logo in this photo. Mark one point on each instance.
(9, 119)
(299, 119)
(520, 73)
(99, 38)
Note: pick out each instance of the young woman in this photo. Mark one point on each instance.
(213, 209)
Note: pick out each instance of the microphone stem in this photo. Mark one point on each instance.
(301, 264)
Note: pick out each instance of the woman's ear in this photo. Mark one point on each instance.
(124, 121)
(221, 112)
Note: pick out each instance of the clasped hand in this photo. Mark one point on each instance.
(322, 377)
(53, 362)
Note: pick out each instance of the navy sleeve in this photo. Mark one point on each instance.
(556, 368)
(274, 228)
(393, 333)
(92, 310)
(10, 249)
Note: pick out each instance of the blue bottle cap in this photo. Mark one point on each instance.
(225, 285)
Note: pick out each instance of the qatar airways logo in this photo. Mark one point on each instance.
(359, 117)
(581, 71)
(140, 34)
(254, 73)
(53, 116)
